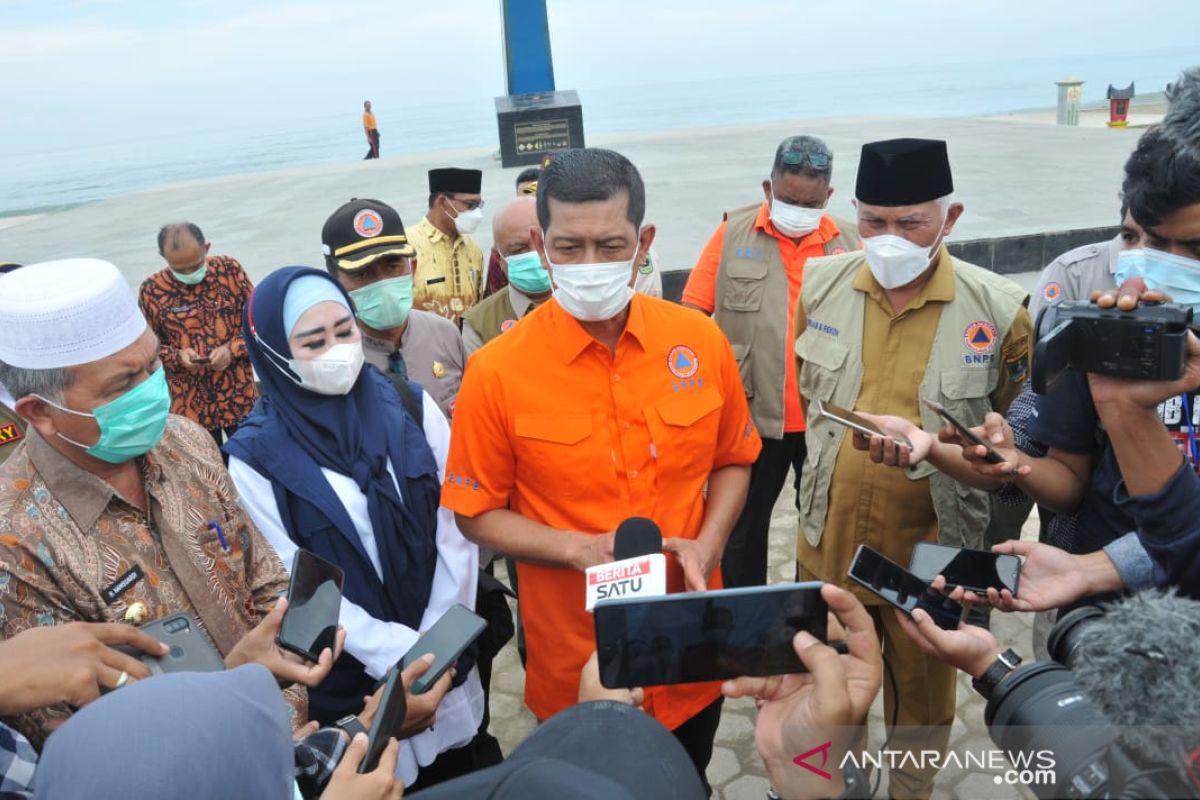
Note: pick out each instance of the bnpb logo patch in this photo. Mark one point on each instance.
(508, 323)
(682, 361)
(1053, 292)
(980, 336)
(368, 223)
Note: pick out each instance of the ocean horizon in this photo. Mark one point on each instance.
(42, 178)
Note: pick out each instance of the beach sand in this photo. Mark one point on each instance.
(1014, 177)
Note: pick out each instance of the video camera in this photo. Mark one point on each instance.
(1149, 342)
(1042, 707)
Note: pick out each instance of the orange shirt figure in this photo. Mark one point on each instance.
(557, 428)
(701, 289)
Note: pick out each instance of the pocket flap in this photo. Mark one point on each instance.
(964, 384)
(740, 351)
(747, 269)
(687, 407)
(821, 350)
(557, 428)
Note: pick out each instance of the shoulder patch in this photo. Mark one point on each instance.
(1052, 292)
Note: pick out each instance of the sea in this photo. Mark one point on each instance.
(36, 179)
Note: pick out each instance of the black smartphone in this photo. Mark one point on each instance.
(314, 602)
(900, 588)
(848, 419)
(976, 570)
(389, 719)
(706, 636)
(446, 639)
(201, 360)
(992, 457)
(190, 649)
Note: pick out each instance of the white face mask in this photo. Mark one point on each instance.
(334, 372)
(794, 221)
(895, 261)
(593, 292)
(467, 221)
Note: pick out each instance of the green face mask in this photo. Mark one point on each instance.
(131, 425)
(384, 305)
(525, 272)
(190, 278)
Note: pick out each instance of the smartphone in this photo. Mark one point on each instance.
(314, 601)
(706, 636)
(992, 456)
(389, 718)
(447, 639)
(190, 649)
(900, 588)
(976, 570)
(850, 420)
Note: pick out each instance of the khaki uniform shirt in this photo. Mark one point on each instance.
(473, 339)
(72, 549)
(874, 504)
(449, 276)
(431, 353)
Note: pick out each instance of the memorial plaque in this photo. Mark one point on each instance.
(533, 125)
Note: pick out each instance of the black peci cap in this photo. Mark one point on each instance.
(360, 232)
(452, 180)
(903, 172)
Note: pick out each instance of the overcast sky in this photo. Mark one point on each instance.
(115, 64)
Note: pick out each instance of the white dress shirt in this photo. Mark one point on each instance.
(376, 643)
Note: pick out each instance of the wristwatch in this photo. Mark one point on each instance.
(351, 725)
(1005, 663)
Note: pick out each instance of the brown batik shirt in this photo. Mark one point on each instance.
(69, 544)
(203, 317)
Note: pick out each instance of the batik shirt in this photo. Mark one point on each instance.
(203, 317)
(73, 549)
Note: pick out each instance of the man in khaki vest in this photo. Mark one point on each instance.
(878, 330)
(528, 282)
(748, 279)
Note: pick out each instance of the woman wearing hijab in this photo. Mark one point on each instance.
(204, 736)
(331, 462)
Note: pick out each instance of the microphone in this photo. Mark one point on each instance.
(639, 568)
(1139, 664)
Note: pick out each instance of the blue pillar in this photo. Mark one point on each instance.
(527, 60)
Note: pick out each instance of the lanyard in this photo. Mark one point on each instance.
(1193, 449)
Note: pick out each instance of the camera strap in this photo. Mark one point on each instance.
(1193, 451)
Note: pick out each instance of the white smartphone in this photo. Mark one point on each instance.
(849, 419)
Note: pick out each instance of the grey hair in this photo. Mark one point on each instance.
(806, 147)
(1183, 106)
(49, 384)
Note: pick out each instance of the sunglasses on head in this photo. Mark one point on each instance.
(815, 160)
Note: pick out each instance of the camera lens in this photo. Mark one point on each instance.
(1067, 632)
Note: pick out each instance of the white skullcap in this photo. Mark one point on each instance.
(66, 313)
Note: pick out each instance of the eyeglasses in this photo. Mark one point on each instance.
(815, 160)
(470, 205)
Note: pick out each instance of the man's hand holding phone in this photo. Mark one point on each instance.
(380, 784)
(796, 712)
(891, 449)
(260, 646)
(971, 648)
(591, 689)
(422, 708)
(997, 432)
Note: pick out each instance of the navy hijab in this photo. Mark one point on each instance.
(293, 432)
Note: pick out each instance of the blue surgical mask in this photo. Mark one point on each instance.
(1176, 276)
(526, 273)
(131, 425)
(385, 304)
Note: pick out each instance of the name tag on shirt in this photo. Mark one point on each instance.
(122, 584)
(431, 281)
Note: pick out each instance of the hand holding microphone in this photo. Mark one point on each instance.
(638, 568)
